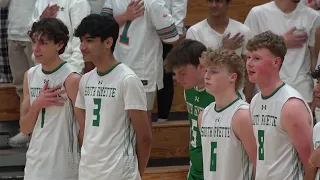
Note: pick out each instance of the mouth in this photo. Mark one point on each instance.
(37, 55)
(207, 84)
(250, 73)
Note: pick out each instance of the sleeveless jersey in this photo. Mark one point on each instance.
(54, 151)
(109, 144)
(224, 156)
(277, 158)
(196, 101)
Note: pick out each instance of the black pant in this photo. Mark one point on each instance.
(165, 95)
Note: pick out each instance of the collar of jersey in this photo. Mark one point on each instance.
(109, 70)
(220, 110)
(56, 69)
(274, 92)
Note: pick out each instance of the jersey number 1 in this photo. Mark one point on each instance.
(96, 112)
(261, 144)
(213, 159)
(124, 39)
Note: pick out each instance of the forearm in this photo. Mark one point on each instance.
(310, 172)
(143, 153)
(121, 19)
(28, 121)
(313, 57)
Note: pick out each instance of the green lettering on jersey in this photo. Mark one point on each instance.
(124, 35)
(96, 112)
(213, 160)
(261, 144)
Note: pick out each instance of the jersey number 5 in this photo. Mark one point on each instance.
(194, 126)
(96, 112)
(261, 144)
(124, 39)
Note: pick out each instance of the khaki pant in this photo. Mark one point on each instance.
(20, 60)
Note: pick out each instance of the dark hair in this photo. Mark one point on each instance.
(268, 40)
(185, 52)
(316, 73)
(54, 29)
(101, 26)
(227, 1)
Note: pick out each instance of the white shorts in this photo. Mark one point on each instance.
(151, 96)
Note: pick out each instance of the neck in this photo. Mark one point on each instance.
(105, 63)
(268, 86)
(225, 97)
(52, 64)
(286, 6)
(201, 84)
(218, 21)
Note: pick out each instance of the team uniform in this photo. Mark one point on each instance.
(277, 158)
(54, 151)
(109, 143)
(203, 33)
(139, 44)
(316, 142)
(296, 65)
(196, 101)
(224, 156)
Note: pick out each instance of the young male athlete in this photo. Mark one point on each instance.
(282, 120)
(218, 30)
(117, 136)
(50, 91)
(312, 172)
(225, 125)
(184, 61)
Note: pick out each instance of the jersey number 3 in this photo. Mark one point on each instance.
(261, 144)
(96, 112)
(124, 39)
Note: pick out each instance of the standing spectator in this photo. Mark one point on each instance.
(70, 12)
(178, 10)
(5, 72)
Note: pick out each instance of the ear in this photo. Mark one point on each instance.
(108, 42)
(277, 62)
(233, 77)
(201, 67)
(59, 46)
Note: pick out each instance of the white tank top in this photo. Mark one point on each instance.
(53, 152)
(277, 158)
(224, 157)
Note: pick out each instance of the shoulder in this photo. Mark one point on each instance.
(198, 26)
(294, 108)
(73, 79)
(241, 27)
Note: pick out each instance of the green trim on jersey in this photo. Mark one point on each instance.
(273, 93)
(230, 104)
(56, 69)
(196, 101)
(109, 70)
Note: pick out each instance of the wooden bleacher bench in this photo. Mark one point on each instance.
(9, 103)
(166, 173)
(170, 139)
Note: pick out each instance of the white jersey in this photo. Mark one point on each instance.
(316, 142)
(224, 156)
(203, 33)
(109, 143)
(296, 65)
(54, 151)
(139, 44)
(277, 158)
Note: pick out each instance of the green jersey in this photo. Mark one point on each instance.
(196, 101)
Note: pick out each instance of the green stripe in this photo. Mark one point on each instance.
(56, 69)
(168, 32)
(105, 13)
(166, 28)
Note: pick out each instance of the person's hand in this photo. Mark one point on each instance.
(50, 97)
(50, 11)
(315, 157)
(295, 40)
(232, 43)
(134, 10)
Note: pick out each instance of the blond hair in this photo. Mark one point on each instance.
(227, 58)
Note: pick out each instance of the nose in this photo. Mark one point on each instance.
(206, 76)
(249, 62)
(82, 46)
(213, 3)
(35, 47)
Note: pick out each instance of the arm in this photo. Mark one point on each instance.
(314, 160)
(72, 86)
(179, 11)
(163, 22)
(140, 123)
(200, 120)
(29, 114)
(296, 120)
(135, 102)
(78, 10)
(243, 129)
